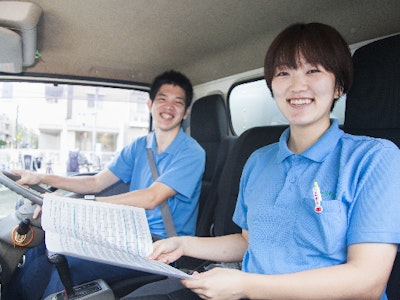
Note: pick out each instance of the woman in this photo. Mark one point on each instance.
(317, 209)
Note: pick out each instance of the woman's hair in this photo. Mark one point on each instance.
(318, 44)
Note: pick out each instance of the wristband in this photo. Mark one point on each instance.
(90, 197)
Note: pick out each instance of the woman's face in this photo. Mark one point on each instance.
(305, 95)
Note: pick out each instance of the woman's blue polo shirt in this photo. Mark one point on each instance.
(359, 181)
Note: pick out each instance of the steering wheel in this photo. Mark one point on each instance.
(8, 180)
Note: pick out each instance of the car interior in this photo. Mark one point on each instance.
(218, 44)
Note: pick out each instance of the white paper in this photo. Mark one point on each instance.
(103, 232)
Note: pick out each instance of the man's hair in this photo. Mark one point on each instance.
(318, 44)
(174, 78)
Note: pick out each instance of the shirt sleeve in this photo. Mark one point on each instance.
(122, 165)
(375, 210)
(240, 213)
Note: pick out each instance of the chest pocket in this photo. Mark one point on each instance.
(322, 233)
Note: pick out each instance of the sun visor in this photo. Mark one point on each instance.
(10, 51)
(18, 24)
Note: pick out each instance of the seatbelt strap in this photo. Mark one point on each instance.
(165, 211)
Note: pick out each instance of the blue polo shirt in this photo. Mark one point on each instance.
(180, 167)
(358, 178)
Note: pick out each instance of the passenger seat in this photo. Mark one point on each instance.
(373, 107)
(209, 127)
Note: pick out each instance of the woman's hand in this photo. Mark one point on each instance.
(168, 250)
(218, 283)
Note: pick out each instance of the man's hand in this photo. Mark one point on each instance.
(168, 250)
(37, 212)
(27, 178)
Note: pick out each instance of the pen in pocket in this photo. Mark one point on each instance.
(317, 198)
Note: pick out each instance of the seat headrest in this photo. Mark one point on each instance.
(208, 119)
(373, 101)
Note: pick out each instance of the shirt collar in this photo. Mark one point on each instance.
(319, 150)
(151, 142)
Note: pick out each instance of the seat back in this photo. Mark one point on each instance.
(373, 106)
(209, 127)
(228, 188)
(373, 102)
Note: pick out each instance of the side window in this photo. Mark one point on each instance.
(251, 104)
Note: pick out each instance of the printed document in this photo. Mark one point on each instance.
(102, 232)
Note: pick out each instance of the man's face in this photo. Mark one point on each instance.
(168, 107)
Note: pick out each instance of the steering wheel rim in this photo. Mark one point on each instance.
(8, 180)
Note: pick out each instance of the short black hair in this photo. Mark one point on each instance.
(174, 78)
(319, 44)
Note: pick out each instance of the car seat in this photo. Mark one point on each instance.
(209, 127)
(373, 106)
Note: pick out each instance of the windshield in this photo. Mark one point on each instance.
(67, 128)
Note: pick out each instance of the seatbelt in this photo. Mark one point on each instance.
(165, 211)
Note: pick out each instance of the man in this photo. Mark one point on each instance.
(180, 162)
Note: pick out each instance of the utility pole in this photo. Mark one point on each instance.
(16, 128)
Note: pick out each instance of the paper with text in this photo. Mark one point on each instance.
(102, 232)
